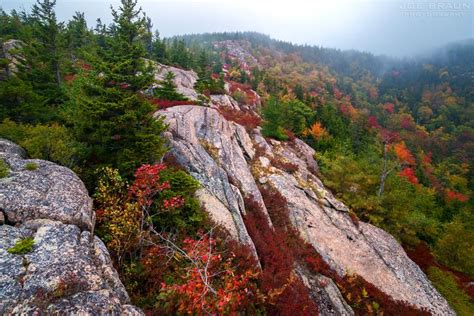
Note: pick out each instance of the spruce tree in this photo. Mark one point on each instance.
(167, 89)
(108, 111)
(44, 57)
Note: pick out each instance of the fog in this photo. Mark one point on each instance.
(395, 28)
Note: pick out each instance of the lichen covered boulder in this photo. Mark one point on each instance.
(65, 269)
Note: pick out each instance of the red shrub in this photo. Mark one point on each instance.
(389, 107)
(372, 122)
(246, 119)
(359, 293)
(286, 293)
(422, 256)
(251, 96)
(409, 174)
(456, 196)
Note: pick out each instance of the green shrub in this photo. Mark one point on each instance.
(31, 166)
(48, 142)
(4, 170)
(446, 284)
(22, 246)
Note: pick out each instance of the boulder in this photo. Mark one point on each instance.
(47, 192)
(67, 270)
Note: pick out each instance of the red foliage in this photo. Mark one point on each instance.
(427, 158)
(291, 136)
(407, 122)
(422, 256)
(246, 119)
(252, 97)
(285, 292)
(164, 104)
(337, 93)
(403, 154)
(409, 174)
(373, 123)
(391, 136)
(284, 165)
(69, 78)
(349, 110)
(147, 184)
(357, 291)
(456, 196)
(389, 107)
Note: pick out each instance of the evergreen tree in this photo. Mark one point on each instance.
(78, 35)
(179, 54)
(167, 89)
(107, 110)
(273, 120)
(159, 51)
(47, 33)
(148, 36)
(43, 57)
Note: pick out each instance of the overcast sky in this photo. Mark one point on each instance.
(391, 27)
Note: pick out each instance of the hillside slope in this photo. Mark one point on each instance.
(233, 164)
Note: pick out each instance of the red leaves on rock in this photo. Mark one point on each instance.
(247, 119)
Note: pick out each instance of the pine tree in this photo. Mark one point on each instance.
(148, 37)
(273, 120)
(47, 32)
(107, 110)
(78, 35)
(159, 50)
(167, 89)
(44, 57)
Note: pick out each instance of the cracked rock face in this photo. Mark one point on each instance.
(67, 271)
(220, 155)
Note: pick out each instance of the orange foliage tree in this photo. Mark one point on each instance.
(317, 131)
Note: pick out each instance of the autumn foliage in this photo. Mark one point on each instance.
(403, 154)
(247, 119)
(409, 174)
(164, 104)
(317, 131)
(222, 291)
(281, 249)
(169, 273)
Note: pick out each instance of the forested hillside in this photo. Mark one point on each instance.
(393, 140)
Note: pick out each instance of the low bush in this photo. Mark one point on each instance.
(31, 166)
(364, 297)
(51, 142)
(4, 170)
(164, 104)
(22, 246)
(246, 119)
